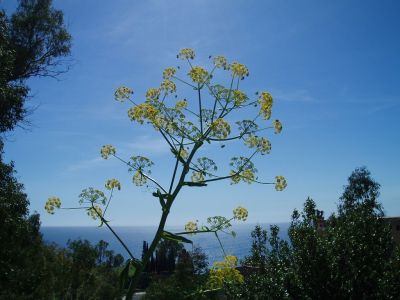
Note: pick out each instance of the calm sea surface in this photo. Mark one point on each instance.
(135, 235)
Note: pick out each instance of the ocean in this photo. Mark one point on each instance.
(134, 236)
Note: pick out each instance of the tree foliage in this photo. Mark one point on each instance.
(33, 42)
(349, 256)
(31, 269)
(186, 282)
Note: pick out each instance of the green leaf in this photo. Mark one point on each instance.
(127, 272)
(173, 237)
(123, 276)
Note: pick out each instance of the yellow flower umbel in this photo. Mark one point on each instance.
(94, 212)
(139, 179)
(239, 97)
(186, 53)
(277, 126)
(220, 128)
(248, 176)
(197, 176)
(152, 94)
(251, 141)
(191, 226)
(106, 151)
(112, 184)
(143, 111)
(224, 272)
(168, 86)
(280, 183)
(198, 74)
(51, 204)
(235, 178)
(262, 144)
(265, 101)
(122, 93)
(220, 62)
(239, 70)
(240, 213)
(168, 73)
(183, 153)
(181, 104)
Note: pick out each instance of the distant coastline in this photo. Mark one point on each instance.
(135, 235)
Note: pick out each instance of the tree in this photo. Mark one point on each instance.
(19, 235)
(33, 42)
(269, 266)
(186, 282)
(362, 240)
(186, 126)
(361, 193)
(351, 257)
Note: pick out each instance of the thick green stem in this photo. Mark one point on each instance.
(146, 258)
(161, 226)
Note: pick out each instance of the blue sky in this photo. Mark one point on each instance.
(332, 67)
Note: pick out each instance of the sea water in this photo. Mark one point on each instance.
(133, 236)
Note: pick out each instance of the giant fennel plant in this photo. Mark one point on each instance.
(186, 126)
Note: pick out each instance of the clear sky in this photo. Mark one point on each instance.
(333, 68)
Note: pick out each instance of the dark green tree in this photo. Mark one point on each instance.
(188, 279)
(19, 235)
(361, 242)
(349, 256)
(310, 267)
(268, 268)
(33, 42)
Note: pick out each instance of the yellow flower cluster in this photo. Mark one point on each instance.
(191, 226)
(122, 93)
(277, 126)
(239, 97)
(248, 176)
(183, 153)
(239, 70)
(168, 86)
(280, 183)
(107, 150)
(181, 104)
(112, 184)
(139, 179)
(220, 62)
(197, 176)
(223, 272)
(265, 101)
(168, 73)
(94, 212)
(240, 213)
(220, 128)
(51, 204)
(152, 94)
(186, 53)
(251, 141)
(235, 178)
(198, 74)
(262, 144)
(158, 122)
(143, 111)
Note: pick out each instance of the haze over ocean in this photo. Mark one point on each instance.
(134, 236)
